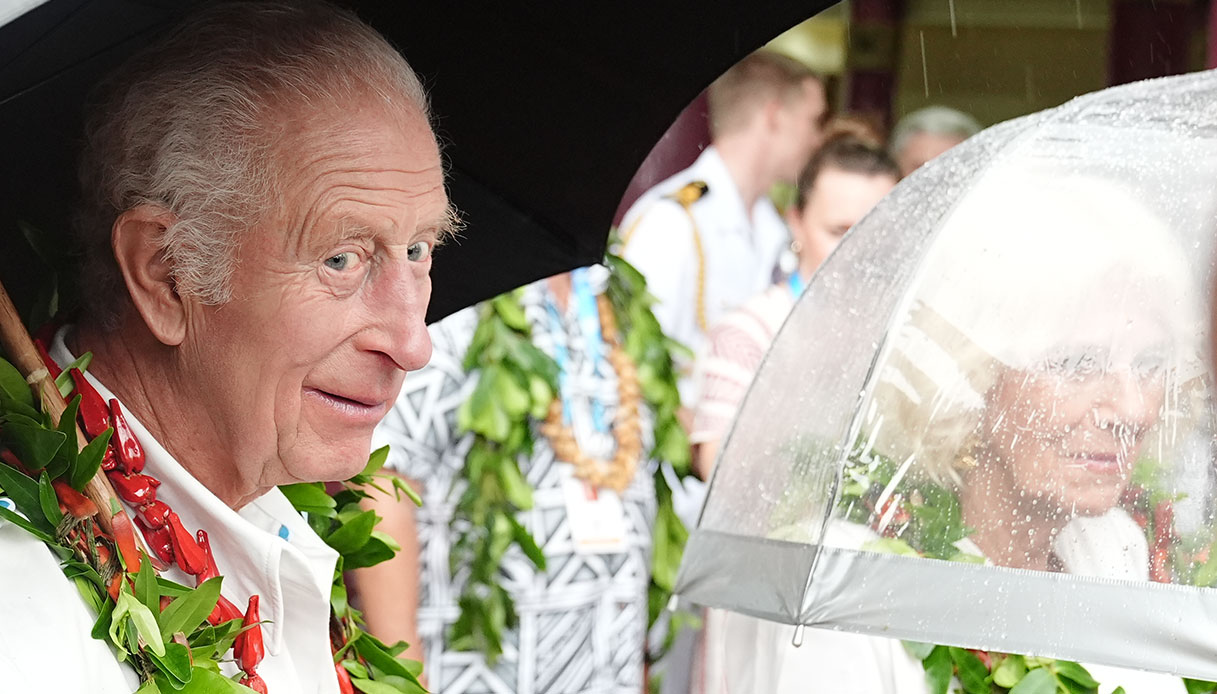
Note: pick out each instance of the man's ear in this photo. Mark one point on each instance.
(136, 239)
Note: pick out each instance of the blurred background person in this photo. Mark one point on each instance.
(925, 133)
(582, 622)
(845, 178)
(708, 238)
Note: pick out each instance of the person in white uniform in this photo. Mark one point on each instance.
(709, 238)
(262, 193)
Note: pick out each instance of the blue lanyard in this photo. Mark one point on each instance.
(797, 285)
(588, 316)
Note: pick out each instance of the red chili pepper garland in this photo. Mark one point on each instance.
(163, 530)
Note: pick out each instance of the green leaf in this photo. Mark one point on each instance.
(89, 460)
(174, 664)
(310, 497)
(102, 626)
(518, 491)
(1072, 671)
(21, 522)
(376, 461)
(24, 492)
(1037, 681)
(971, 672)
(47, 500)
(527, 544)
(65, 457)
(64, 380)
(141, 618)
(34, 445)
(1009, 671)
(146, 590)
(378, 656)
(375, 551)
(206, 681)
(401, 486)
(918, 649)
(188, 611)
(938, 670)
(10, 407)
(13, 384)
(373, 687)
(353, 534)
(1197, 686)
(509, 309)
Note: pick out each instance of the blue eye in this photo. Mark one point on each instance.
(418, 252)
(342, 261)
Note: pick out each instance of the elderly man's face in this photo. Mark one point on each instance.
(328, 301)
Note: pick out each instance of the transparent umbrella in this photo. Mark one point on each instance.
(988, 422)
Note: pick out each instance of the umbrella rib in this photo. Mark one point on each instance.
(55, 75)
(47, 33)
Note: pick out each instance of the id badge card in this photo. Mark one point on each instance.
(596, 516)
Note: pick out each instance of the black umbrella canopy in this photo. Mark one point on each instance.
(545, 111)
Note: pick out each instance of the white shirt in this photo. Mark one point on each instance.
(265, 548)
(741, 248)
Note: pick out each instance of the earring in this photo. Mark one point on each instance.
(795, 246)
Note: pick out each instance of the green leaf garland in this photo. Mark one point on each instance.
(516, 384)
(175, 649)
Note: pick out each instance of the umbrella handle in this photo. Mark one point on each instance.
(16, 343)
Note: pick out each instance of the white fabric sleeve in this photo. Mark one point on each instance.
(661, 247)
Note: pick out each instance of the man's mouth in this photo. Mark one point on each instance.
(355, 407)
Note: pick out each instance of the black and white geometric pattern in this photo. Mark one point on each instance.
(583, 622)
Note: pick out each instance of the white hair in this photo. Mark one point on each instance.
(933, 120)
(192, 124)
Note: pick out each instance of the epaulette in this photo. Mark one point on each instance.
(689, 193)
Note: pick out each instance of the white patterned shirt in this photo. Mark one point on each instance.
(582, 627)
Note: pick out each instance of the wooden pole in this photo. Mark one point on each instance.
(16, 343)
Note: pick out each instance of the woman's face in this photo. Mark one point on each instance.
(1068, 430)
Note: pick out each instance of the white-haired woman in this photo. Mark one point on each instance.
(1029, 371)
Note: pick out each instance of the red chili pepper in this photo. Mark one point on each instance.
(94, 415)
(109, 461)
(10, 458)
(211, 570)
(189, 555)
(158, 540)
(115, 584)
(1159, 569)
(130, 453)
(344, 680)
(248, 647)
(124, 539)
(985, 659)
(75, 503)
(224, 611)
(254, 682)
(155, 514)
(1164, 523)
(137, 490)
(165, 602)
(47, 361)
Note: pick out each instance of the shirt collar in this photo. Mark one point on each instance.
(266, 548)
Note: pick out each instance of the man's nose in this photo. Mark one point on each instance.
(398, 308)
